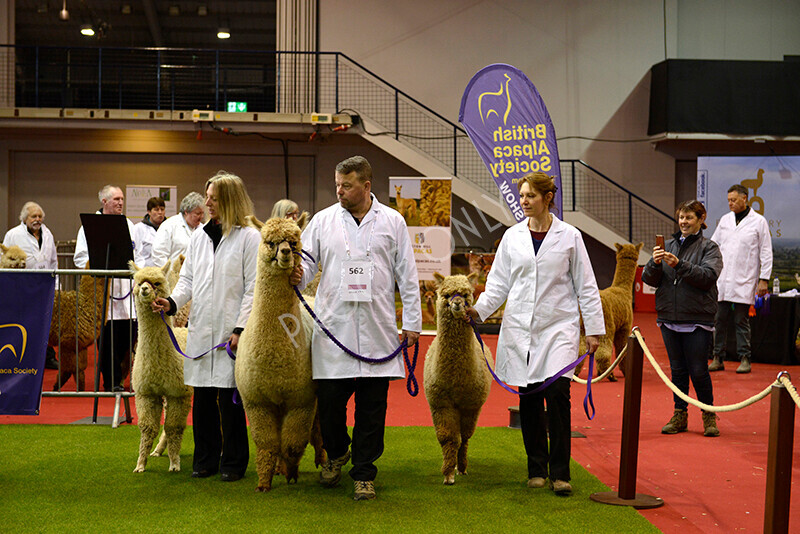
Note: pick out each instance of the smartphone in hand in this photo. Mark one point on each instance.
(660, 241)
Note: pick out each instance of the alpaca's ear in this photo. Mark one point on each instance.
(473, 278)
(302, 221)
(3, 248)
(439, 278)
(132, 266)
(618, 246)
(165, 268)
(254, 222)
(639, 247)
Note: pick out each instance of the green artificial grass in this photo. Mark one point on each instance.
(57, 478)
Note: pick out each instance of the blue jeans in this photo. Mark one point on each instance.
(688, 358)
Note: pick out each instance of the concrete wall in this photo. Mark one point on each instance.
(590, 60)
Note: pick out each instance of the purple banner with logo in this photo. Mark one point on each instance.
(24, 329)
(507, 121)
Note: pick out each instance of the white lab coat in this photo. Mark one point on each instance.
(543, 292)
(172, 240)
(38, 258)
(120, 287)
(144, 234)
(220, 285)
(366, 328)
(746, 256)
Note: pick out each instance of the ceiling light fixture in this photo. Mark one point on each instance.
(126, 9)
(202, 11)
(174, 10)
(64, 14)
(223, 33)
(87, 30)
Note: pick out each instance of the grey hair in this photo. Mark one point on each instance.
(191, 202)
(105, 193)
(26, 210)
(358, 165)
(282, 207)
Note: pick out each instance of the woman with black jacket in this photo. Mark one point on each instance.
(685, 274)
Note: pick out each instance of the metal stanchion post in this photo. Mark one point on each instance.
(629, 454)
(779, 461)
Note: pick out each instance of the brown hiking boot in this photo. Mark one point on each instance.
(744, 367)
(678, 423)
(716, 364)
(710, 425)
(331, 472)
(364, 490)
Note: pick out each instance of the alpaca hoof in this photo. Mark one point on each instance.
(262, 489)
(174, 468)
(155, 454)
(460, 472)
(139, 469)
(612, 378)
(449, 480)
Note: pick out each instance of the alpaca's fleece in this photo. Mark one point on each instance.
(158, 370)
(617, 310)
(67, 330)
(456, 378)
(13, 257)
(273, 362)
(181, 318)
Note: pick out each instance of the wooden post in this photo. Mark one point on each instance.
(779, 461)
(629, 453)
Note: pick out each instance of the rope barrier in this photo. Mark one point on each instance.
(607, 372)
(703, 406)
(783, 378)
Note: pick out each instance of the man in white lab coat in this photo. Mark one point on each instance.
(172, 238)
(36, 240)
(121, 316)
(145, 231)
(744, 240)
(364, 249)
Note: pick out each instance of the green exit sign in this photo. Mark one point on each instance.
(237, 107)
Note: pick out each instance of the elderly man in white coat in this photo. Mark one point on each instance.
(365, 248)
(121, 316)
(744, 240)
(172, 237)
(543, 273)
(36, 240)
(219, 277)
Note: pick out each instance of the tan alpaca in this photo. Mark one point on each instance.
(273, 362)
(76, 334)
(181, 318)
(406, 206)
(617, 310)
(456, 378)
(13, 257)
(158, 370)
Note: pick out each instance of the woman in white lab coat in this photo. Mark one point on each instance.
(543, 273)
(218, 276)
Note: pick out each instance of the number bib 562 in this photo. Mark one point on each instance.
(356, 281)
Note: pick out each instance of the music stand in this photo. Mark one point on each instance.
(109, 241)
(111, 248)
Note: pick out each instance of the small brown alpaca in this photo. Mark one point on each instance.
(617, 303)
(75, 341)
(13, 257)
(428, 290)
(406, 206)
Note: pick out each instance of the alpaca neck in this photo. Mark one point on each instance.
(453, 330)
(90, 293)
(151, 322)
(273, 297)
(624, 274)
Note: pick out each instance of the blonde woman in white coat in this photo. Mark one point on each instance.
(543, 274)
(219, 277)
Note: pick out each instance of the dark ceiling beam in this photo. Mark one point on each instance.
(152, 22)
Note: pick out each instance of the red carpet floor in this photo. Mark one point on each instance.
(708, 484)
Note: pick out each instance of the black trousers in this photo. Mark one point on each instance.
(116, 350)
(220, 432)
(370, 421)
(742, 324)
(535, 425)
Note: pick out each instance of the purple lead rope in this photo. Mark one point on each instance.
(587, 400)
(225, 344)
(411, 384)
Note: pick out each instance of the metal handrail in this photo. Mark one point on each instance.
(201, 79)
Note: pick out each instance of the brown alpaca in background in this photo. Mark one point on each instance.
(76, 341)
(617, 303)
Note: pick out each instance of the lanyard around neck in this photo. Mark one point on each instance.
(347, 241)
